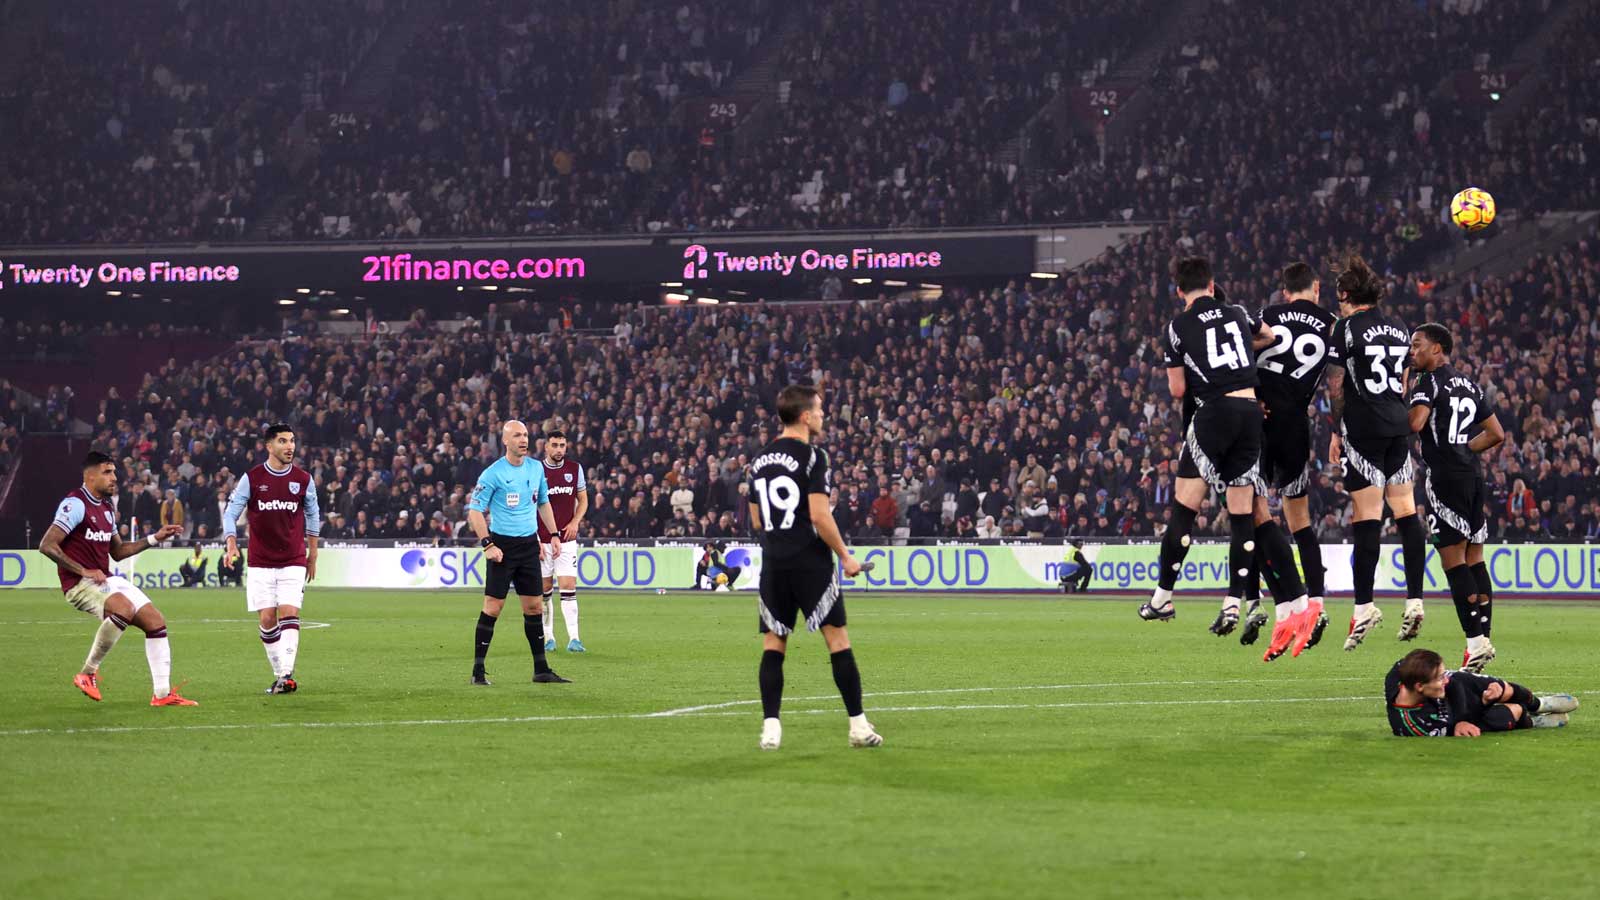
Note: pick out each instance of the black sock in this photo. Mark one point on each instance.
(1252, 584)
(771, 683)
(1414, 551)
(1461, 590)
(1174, 545)
(1365, 561)
(1282, 576)
(482, 635)
(1522, 697)
(1485, 593)
(848, 678)
(1310, 560)
(533, 627)
(1242, 531)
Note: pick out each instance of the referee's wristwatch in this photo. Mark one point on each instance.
(486, 543)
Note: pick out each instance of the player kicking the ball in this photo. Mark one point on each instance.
(82, 541)
(279, 501)
(788, 490)
(569, 501)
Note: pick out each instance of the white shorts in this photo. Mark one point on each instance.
(563, 566)
(272, 588)
(90, 597)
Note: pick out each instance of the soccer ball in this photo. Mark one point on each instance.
(722, 578)
(1472, 209)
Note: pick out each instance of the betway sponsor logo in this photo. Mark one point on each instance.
(99, 537)
(565, 489)
(276, 506)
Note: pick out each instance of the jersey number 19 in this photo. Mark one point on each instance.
(781, 492)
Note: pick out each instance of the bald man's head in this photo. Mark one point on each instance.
(514, 435)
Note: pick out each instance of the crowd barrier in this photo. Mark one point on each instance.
(1533, 570)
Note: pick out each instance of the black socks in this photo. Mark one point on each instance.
(1461, 590)
(1485, 595)
(1175, 545)
(1242, 530)
(848, 679)
(1310, 560)
(772, 683)
(533, 627)
(1414, 552)
(482, 635)
(1365, 562)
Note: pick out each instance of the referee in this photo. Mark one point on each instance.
(509, 492)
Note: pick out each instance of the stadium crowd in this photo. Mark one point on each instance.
(131, 124)
(1031, 408)
(519, 119)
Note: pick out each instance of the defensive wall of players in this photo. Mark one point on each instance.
(1518, 570)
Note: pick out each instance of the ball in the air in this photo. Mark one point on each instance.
(1472, 209)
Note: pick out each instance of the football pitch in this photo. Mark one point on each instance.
(1035, 747)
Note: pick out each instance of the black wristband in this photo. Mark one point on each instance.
(486, 543)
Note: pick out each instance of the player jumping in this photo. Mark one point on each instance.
(82, 541)
(569, 500)
(1290, 368)
(1372, 442)
(1209, 351)
(788, 490)
(279, 501)
(1456, 423)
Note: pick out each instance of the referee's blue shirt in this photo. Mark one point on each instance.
(512, 495)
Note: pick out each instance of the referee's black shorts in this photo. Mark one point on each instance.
(518, 567)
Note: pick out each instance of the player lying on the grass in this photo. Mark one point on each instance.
(82, 541)
(1427, 700)
(1457, 423)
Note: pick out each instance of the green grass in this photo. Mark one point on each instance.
(1042, 747)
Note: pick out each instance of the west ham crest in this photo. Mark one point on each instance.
(294, 488)
(569, 476)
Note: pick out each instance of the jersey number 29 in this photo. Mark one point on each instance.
(781, 492)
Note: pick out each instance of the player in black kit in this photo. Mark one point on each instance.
(788, 490)
(1456, 423)
(1210, 352)
(1427, 700)
(1366, 355)
(1290, 369)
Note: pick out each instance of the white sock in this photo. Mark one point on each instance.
(569, 611)
(1318, 601)
(1475, 644)
(1302, 603)
(860, 723)
(1413, 601)
(159, 654)
(289, 644)
(549, 619)
(1282, 611)
(1231, 603)
(1162, 597)
(272, 642)
(105, 638)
